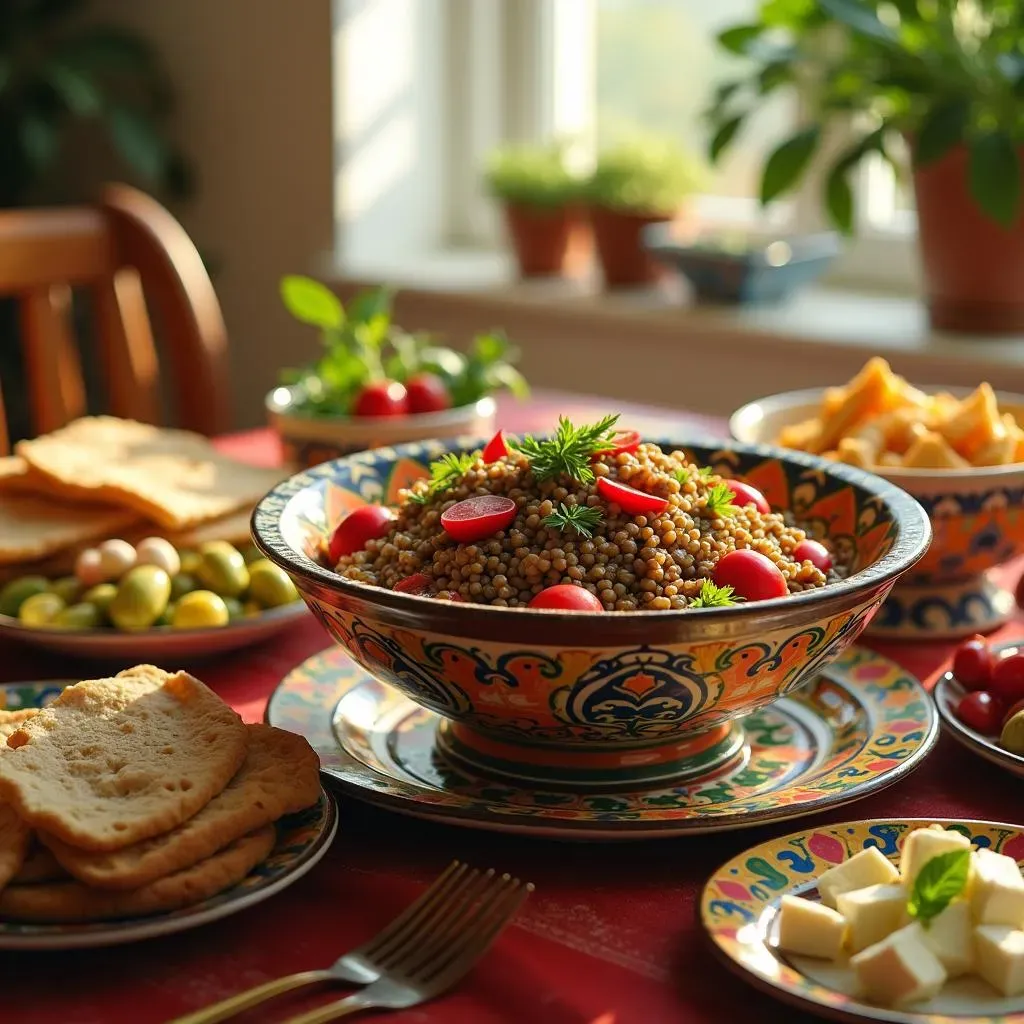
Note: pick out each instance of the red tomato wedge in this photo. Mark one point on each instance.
(496, 448)
(359, 526)
(813, 552)
(477, 518)
(629, 499)
(418, 583)
(752, 576)
(567, 597)
(623, 443)
(747, 495)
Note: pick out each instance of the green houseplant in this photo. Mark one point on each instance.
(944, 76)
(634, 184)
(540, 198)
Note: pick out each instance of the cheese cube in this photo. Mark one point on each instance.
(872, 913)
(924, 843)
(869, 867)
(810, 929)
(999, 952)
(950, 936)
(997, 893)
(900, 969)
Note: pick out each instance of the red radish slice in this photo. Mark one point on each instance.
(747, 495)
(629, 499)
(418, 583)
(476, 518)
(358, 527)
(567, 597)
(752, 576)
(813, 552)
(623, 443)
(496, 448)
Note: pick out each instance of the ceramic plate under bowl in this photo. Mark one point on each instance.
(302, 839)
(163, 644)
(860, 726)
(740, 901)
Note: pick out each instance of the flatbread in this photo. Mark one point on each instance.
(39, 865)
(15, 837)
(72, 901)
(114, 761)
(173, 477)
(280, 775)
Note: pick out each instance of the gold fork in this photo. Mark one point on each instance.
(429, 964)
(368, 962)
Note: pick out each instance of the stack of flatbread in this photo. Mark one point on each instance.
(138, 794)
(102, 477)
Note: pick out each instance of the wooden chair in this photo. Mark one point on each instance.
(123, 251)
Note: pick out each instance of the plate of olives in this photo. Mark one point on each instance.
(151, 600)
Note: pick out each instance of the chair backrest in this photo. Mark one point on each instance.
(126, 250)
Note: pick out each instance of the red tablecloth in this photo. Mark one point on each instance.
(609, 937)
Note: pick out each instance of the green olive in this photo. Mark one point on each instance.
(101, 596)
(234, 607)
(1012, 737)
(68, 587)
(250, 553)
(190, 561)
(40, 609)
(223, 569)
(18, 591)
(270, 585)
(182, 584)
(78, 616)
(142, 596)
(200, 610)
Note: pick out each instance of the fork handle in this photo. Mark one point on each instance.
(355, 1003)
(252, 997)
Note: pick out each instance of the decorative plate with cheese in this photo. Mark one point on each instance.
(911, 921)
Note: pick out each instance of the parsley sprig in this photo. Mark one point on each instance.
(683, 474)
(720, 502)
(712, 596)
(445, 473)
(584, 519)
(938, 883)
(570, 451)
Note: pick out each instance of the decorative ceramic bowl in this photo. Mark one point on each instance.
(977, 518)
(309, 440)
(601, 698)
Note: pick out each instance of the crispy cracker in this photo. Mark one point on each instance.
(280, 775)
(114, 761)
(72, 901)
(173, 477)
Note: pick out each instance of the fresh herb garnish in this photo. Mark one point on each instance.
(719, 502)
(938, 883)
(681, 476)
(569, 452)
(712, 596)
(705, 472)
(446, 472)
(584, 519)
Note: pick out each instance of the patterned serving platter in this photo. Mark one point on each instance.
(740, 902)
(861, 725)
(302, 840)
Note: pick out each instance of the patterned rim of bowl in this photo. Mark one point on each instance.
(912, 540)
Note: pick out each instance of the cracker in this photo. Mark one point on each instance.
(280, 775)
(173, 477)
(39, 865)
(72, 901)
(15, 836)
(114, 761)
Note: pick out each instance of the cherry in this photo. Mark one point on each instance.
(359, 526)
(1007, 684)
(981, 711)
(747, 495)
(752, 576)
(427, 393)
(479, 517)
(973, 663)
(567, 597)
(813, 552)
(496, 448)
(382, 398)
(629, 499)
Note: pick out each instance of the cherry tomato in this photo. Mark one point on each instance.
(813, 552)
(567, 597)
(359, 526)
(981, 711)
(476, 518)
(427, 393)
(496, 448)
(382, 398)
(1019, 706)
(629, 499)
(418, 583)
(1007, 685)
(752, 576)
(973, 663)
(623, 443)
(747, 495)
(1019, 592)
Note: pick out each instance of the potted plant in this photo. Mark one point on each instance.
(540, 197)
(635, 184)
(376, 384)
(948, 78)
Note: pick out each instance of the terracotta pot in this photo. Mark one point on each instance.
(547, 241)
(974, 267)
(618, 236)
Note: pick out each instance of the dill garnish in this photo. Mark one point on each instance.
(584, 519)
(570, 451)
(445, 473)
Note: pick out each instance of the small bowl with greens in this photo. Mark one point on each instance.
(376, 384)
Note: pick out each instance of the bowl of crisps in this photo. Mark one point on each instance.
(958, 451)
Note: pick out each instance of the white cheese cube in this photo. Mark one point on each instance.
(950, 936)
(872, 913)
(900, 969)
(924, 843)
(997, 891)
(869, 867)
(810, 929)
(999, 952)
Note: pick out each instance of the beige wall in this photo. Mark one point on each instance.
(253, 80)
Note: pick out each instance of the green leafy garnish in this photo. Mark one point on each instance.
(938, 883)
(712, 596)
(705, 472)
(720, 502)
(445, 473)
(570, 451)
(681, 476)
(584, 519)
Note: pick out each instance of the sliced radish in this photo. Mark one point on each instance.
(623, 443)
(477, 518)
(496, 448)
(418, 583)
(629, 499)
